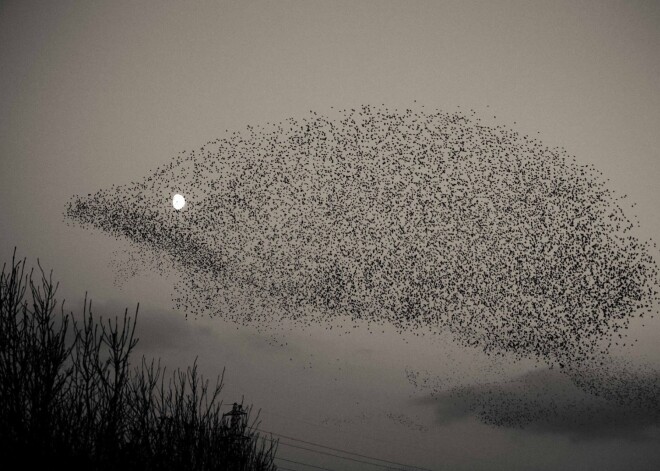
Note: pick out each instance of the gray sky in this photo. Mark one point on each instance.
(96, 93)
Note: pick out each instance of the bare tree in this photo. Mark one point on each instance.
(69, 394)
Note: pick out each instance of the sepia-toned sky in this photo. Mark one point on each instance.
(95, 93)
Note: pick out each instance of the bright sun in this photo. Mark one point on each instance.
(178, 201)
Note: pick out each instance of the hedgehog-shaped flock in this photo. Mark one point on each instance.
(421, 219)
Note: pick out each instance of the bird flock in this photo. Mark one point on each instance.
(586, 404)
(426, 220)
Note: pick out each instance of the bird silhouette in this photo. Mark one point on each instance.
(419, 219)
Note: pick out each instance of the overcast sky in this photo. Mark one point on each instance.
(97, 93)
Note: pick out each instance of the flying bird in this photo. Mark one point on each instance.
(419, 219)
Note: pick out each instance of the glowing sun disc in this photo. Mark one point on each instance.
(178, 201)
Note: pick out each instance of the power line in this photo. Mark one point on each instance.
(335, 455)
(341, 451)
(378, 465)
(326, 427)
(332, 454)
(337, 449)
(304, 464)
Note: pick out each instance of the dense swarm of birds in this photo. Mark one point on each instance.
(588, 404)
(421, 219)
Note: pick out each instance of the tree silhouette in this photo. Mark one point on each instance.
(70, 396)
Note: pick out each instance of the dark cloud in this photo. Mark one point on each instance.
(168, 330)
(549, 401)
(157, 329)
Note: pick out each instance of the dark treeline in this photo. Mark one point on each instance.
(70, 396)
